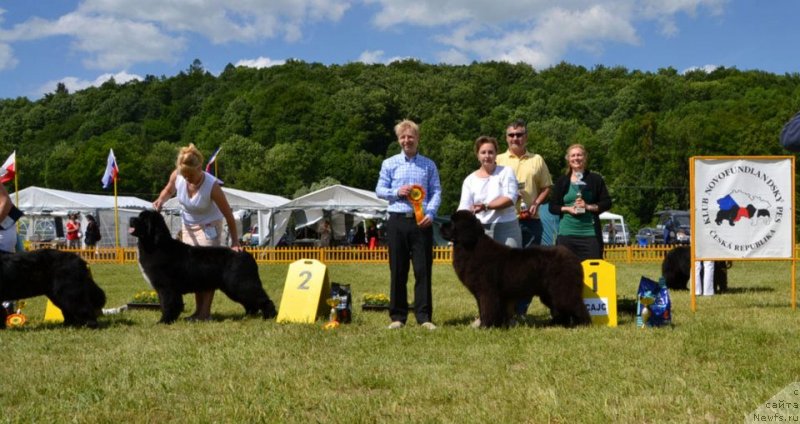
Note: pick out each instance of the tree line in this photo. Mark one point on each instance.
(287, 128)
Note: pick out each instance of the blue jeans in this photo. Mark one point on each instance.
(531, 236)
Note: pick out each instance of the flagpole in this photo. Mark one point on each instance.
(116, 216)
(16, 186)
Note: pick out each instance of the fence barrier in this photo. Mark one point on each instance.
(353, 255)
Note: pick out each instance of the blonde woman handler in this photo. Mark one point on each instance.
(203, 206)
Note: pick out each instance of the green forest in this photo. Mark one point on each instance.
(286, 129)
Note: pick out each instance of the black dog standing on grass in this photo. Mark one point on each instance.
(61, 276)
(677, 270)
(498, 275)
(173, 269)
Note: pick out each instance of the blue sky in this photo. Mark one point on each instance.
(83, 43)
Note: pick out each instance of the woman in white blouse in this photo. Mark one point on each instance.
(490, 193)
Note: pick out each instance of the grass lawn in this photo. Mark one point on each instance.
(715, 365)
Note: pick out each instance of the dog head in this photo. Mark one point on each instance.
(464, 229)
(149, 227)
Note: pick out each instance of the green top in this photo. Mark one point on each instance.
(577, 225)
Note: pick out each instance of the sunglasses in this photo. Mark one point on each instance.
(517, 134)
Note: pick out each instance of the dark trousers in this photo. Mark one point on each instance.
(409, 244)
(532, 230)
(584, 247)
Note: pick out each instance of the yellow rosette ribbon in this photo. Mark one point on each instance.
(17, 319)
(416, 196)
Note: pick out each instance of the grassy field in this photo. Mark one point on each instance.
(715, 365)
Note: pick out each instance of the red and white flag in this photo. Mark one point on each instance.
(213, 159)
(9, 168)
(112, 170)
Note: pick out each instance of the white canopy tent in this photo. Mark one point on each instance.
(345, 206)
(51, 206)
(241, 202)
(616, 219)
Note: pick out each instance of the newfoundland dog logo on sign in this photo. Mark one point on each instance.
(743, 208)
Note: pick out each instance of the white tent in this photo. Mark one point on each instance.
(49, 205)
(346, 207)
(614, 218)
(241, 202)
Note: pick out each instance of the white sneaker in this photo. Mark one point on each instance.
(428, 325)
(476, 323)
(395, 325)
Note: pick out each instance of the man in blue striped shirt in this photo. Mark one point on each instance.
(408, 239)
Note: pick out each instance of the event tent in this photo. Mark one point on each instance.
(344, 206)
(616, 219)
(243, 203)
(50, 206)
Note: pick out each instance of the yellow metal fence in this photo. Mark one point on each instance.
(350, 255)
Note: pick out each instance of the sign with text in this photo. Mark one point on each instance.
(743, 207)
(600, 291)
(304, 294)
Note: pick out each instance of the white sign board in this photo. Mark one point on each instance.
(743, 207)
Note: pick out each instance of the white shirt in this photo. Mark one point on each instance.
(476, 190)
(199, 209)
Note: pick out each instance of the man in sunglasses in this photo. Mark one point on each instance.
(534, 186)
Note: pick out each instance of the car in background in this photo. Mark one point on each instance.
(649, 236)
(681, 225)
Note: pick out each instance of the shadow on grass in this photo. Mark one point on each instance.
(745, 290)
(533, 321)
(102, 324)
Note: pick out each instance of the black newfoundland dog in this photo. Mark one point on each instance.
(173, 269)
(61, 276)
(498, 275)
(677, 270)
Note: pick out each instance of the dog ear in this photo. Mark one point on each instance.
(466, 228)
(157, 228)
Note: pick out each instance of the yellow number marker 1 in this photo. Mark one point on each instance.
(600, 291)
(304, 292)
(416, 196)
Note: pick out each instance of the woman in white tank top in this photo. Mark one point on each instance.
(203, 207)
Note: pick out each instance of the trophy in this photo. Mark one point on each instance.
(524, 213)
(579, 186)
(645, 300)
(333, 322)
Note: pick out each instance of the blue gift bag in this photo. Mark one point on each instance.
(655, 297)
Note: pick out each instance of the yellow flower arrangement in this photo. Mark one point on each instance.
(146, 296)
(373, 299)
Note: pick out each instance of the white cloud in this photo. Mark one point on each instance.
(370, 56)
(112, 35)
(453, 57)
(537, 32)
(7, 60)
(222, 22)
(705, 68)
(260, 62)
(377, 56)
(76, 84)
